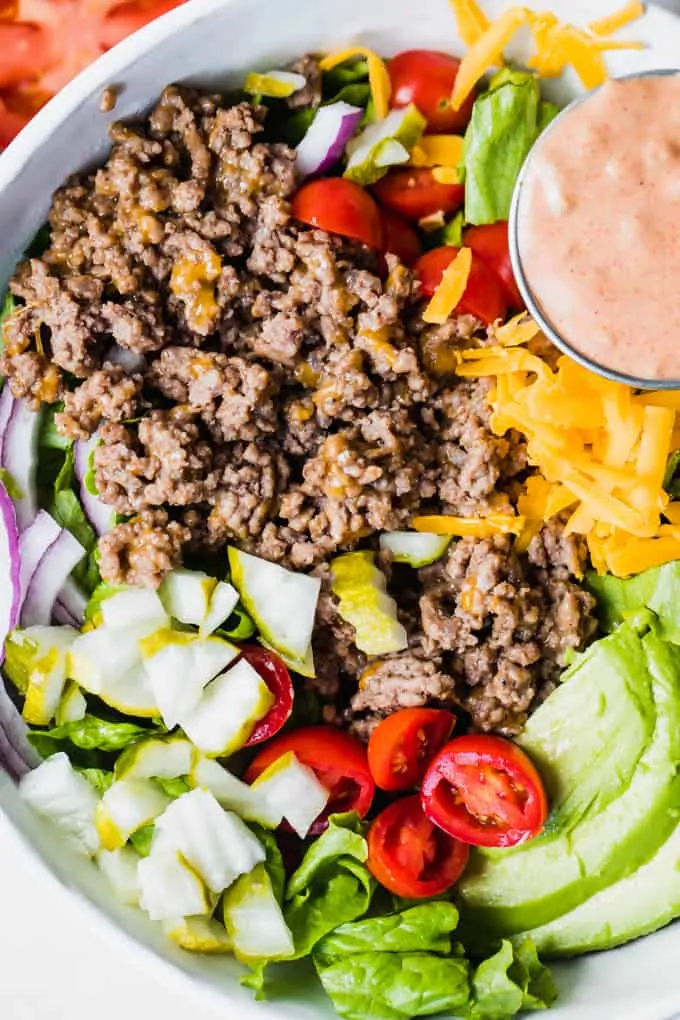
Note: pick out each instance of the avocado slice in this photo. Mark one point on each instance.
(642, 903)
(625, 811)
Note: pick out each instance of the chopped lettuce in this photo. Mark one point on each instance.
(101, 779)
(397, 986)
(657, 590)
(142, 839)
(426, 927)
(91, 733)
(174, 787)
(406, 965)
(506, 121)
(67, 511)
(512, 980)
(7, 307)
(331, 886)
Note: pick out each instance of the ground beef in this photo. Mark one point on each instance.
(261, 382)
(109, 394)
(143, 550)
(504, 625)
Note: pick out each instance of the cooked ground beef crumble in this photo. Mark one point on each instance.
(260, 382)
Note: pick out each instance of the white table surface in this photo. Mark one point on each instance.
(48, 944)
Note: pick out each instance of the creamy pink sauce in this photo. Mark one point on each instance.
(599, 227)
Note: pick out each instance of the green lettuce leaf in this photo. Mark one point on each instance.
(7, 307)
(619, 600)
(331, 886)
(91, 733)
(273, 861)
(512, 980)
(67, 510)
(174, 787)
(142, 840)
(102, 592)
(101, 779)
(505, 123)
(425, 928)
(397, 986)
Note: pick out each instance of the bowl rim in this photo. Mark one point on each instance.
(532, 302)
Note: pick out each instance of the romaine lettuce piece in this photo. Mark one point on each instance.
(215, 842)
(57, 792)
(254, 919)
(294, 788)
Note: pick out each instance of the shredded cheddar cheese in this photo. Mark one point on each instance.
(438, 150)
(557, 45)
(378, 77)
(599, 448)
(471, 20)
(451, 289)
(619, 19)
(475, 527)
(486, 52)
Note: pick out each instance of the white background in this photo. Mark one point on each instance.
(57, 962)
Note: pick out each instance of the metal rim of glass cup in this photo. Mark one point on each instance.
(532, 303)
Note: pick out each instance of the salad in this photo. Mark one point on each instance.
(340, 621)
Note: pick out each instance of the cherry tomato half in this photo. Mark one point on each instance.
(484, 296)
(339, 761)
(490, 242)
(340, 207)
(400, 238)
(485, 791)
(409, 855)
(277, 678)
(414, 193)
(402, 745)
(426, 78)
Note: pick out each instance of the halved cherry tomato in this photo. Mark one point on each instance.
(125, 19)
(11, 124)
(426, 78)
(340, 207)
(409, 855)
(485, 791)
(23, 52)
(414, 193)
(484, 295)
(490, 242)
(277, 678)
(402, 745)
(339, 761)
(399, 237)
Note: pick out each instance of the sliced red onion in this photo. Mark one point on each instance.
(100, 516)
(71, 602)
(10, 589)
(61, 615)
(20, 458)
(33, 545)
(324, 144)
(49, 578)
(17, 756)
(128, 360)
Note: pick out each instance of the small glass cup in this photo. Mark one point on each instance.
(532, 303)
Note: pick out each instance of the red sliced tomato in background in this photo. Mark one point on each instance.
(409, 855)
(399, 237)
(490, 242)
(339, 761)
(414, 193)
(340, 207)
(277, 678)
(484, 295)
(402, 745)
(426, 78)
(45, 43)
(485, 791)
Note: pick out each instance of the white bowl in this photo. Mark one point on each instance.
(214, 42)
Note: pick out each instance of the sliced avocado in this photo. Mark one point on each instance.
(635, 906)
(603, 837)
